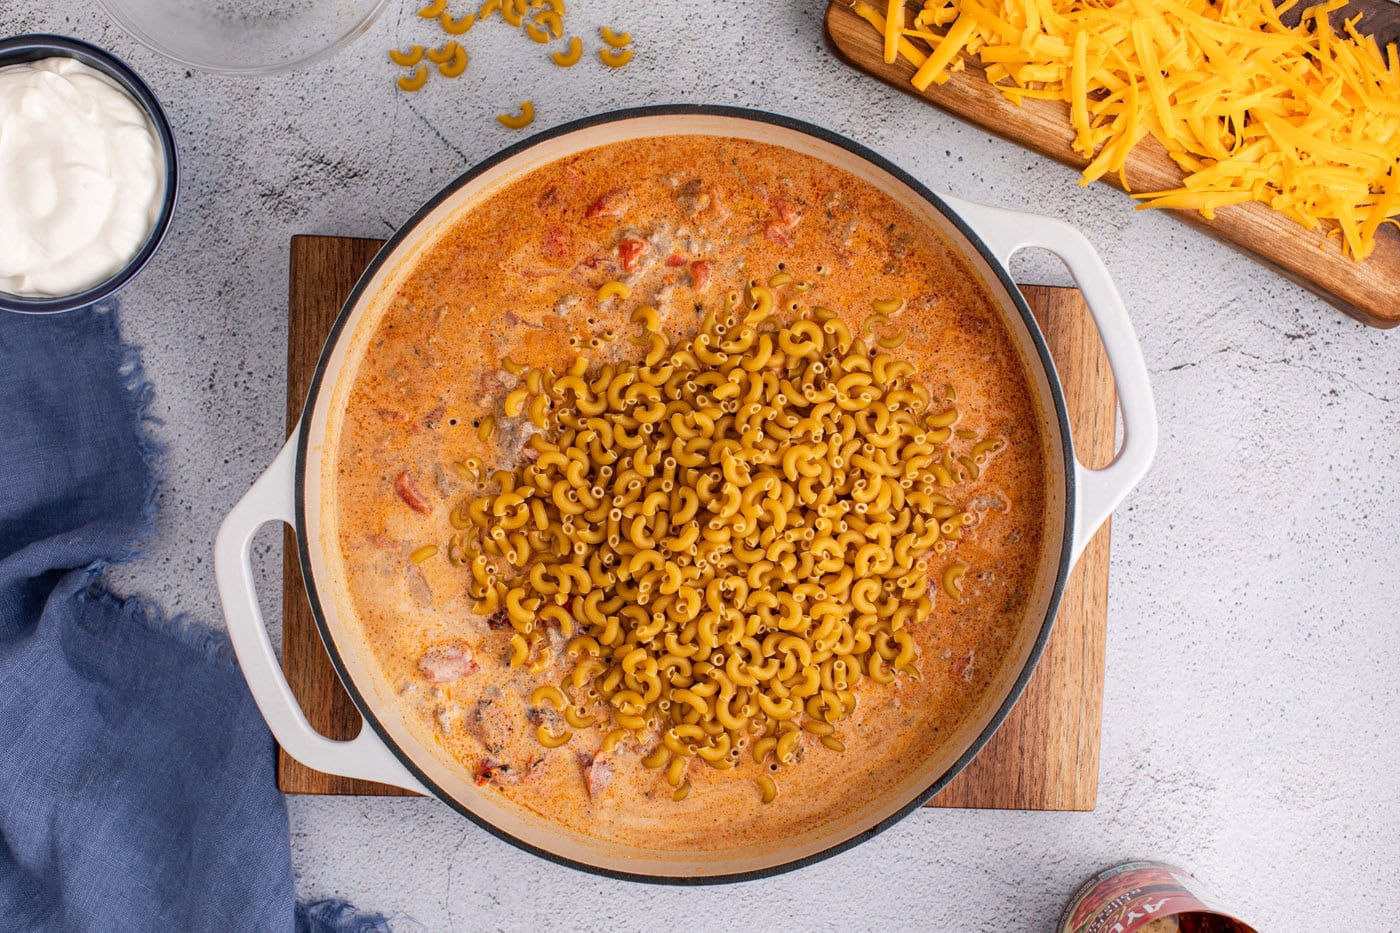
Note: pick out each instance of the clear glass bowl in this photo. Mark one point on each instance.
(244, 36)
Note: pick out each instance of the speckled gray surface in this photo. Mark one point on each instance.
(1251, 705)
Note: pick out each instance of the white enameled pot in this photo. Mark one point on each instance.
(291, 490)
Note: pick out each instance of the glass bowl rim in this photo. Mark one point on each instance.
(136, 32)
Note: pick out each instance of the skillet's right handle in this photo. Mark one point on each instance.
(1100, 491)
(273, 498)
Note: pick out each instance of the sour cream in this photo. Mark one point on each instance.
(82, 177)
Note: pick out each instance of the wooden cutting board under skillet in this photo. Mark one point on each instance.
(1368, 291)
(1046, 754)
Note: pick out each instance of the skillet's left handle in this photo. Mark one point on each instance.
(273, 498)
(1100, 491)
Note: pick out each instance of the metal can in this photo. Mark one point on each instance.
(1147, 897)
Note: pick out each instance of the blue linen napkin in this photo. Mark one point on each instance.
(137, 786)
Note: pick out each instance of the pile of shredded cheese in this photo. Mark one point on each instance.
(1303, 118)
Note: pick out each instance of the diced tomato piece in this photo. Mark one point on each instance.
(612, 203)
(699, 274)
(629, 250)
(788, 212)
(555, 245)
(410, 493)
(675, 260)
(778, 233)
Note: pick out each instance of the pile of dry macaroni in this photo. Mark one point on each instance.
(733, 531)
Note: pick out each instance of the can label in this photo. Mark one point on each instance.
(1128, 897)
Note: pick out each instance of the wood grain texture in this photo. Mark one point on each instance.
(323, 271)
(1045, 755)
(1368, 291)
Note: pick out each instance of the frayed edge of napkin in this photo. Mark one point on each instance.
(208, 643)
(337, 916)
(126, 357)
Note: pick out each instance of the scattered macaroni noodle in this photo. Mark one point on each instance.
(768, 788)
(551, 21)
(614, 58)
(518, 122)
(613, 290)
(648, 317)
(615, 39)
(549, 740)
(414, 81)
(444, 54)
(952, 580)
(459, 26)
(546, 22)
(549, 694)
(567, 59)
(457, 66)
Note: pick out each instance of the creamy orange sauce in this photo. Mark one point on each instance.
(682, 220)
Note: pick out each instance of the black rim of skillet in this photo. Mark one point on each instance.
(754, 116)
(20, 49)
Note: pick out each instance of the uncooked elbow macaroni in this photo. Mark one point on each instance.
(733, 530)
(521, 120)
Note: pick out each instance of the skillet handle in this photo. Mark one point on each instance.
(273, 498)
(1100, 491)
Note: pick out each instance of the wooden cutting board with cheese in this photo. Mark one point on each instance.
(1368, 290)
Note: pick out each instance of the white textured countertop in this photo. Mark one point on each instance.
(1251, 704)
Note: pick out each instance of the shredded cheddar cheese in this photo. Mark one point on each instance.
(1303, 118)
(894, 25)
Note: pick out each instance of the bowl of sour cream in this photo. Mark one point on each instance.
(88, 175)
